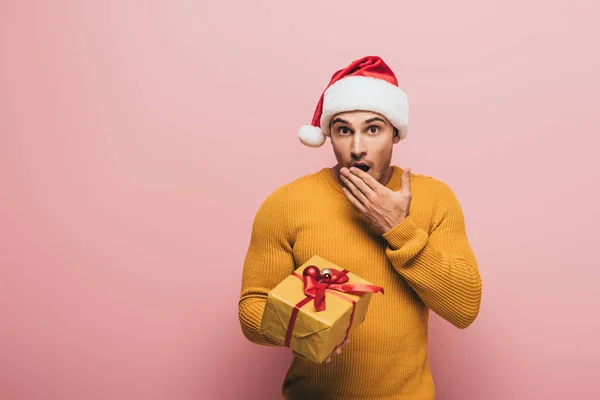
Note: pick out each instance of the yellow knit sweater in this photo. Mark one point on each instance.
(424, 263)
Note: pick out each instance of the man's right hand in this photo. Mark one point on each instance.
(337, 350)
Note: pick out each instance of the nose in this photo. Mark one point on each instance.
(358, 149)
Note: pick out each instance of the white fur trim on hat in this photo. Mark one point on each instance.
(355, 93)
(311, 136)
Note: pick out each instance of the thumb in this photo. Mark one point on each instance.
(406, 180)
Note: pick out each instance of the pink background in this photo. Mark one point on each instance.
(137, 140)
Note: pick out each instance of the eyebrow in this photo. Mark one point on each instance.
(373, 120)
(343, 121)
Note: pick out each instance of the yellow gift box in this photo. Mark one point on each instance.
(291, 316)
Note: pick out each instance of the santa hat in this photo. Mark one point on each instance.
(367, 84)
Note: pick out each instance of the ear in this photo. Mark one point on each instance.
(396, 137)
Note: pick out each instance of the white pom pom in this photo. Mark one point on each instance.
(311, 136)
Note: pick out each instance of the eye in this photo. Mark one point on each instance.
(373, 130)
(344, 130)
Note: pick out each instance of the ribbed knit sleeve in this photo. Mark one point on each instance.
(268, 261)
(439, 266)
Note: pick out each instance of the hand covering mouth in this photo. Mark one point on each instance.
(362, 166)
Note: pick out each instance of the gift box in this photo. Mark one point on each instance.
(316, 308)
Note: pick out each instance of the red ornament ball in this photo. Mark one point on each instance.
(313, 271)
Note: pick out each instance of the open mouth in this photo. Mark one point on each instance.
(362, 167)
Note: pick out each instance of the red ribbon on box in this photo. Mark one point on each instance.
(315, 290)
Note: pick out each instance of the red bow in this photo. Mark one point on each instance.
(316, 290)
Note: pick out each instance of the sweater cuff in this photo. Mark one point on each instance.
(403, 233)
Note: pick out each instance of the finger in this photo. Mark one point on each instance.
(406, 181)
(371, 182)
(345, 342)
(359, 181)
(337, 351)
(355, 202)
(328, 359)
(354, 190)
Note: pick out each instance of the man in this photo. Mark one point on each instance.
(402, 231)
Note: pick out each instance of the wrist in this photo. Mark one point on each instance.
(403, 233)
(393, 224)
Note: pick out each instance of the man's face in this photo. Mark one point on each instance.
(363, 139)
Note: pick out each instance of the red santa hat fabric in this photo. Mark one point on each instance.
(367, 84)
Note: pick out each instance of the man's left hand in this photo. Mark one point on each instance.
(384, 207)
